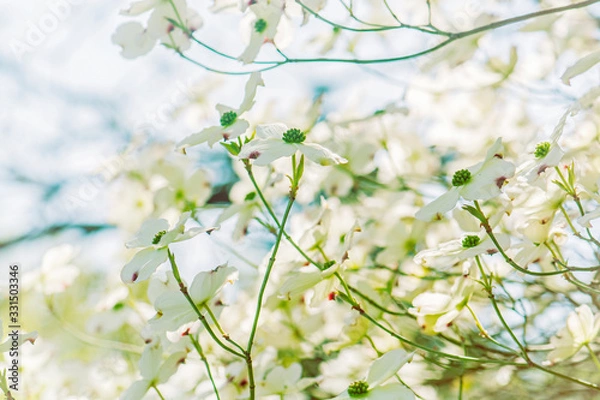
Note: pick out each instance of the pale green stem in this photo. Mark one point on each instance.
(198, 348)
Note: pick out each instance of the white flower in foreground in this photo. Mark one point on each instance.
(449, 253)
(137, 40)
(155, 236)
(482, 181)
(381, 370)
(276, 140)
(436, 311)
(231, 126)
(582, 328)
(173, 310)
(267, 14)
(154, 371)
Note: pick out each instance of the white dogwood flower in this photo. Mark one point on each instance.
(436, 311)
(482, 181)
(155, 236)
(231, 126)
(581, 329)
(449, 253)
(381, 370)
(137, 40)
(267, 15)
(154, 371)
(173, 310)
(547, 154)
(276, 140)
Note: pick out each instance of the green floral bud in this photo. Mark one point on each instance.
(461, 177)
(228, 118)
(541, 150)
(470, 241)
(294, 136)
(260, 25)
(158, 236)
(358, 388)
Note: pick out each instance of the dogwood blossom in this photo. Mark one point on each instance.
(231, 126)
(482, 181)
(173, 310)
(581, 329)
(436, 311)
(449, 253)
(276, 140)
(137, 40)
(381, 370)
(155, 236)
(267, 14)
(154, 371)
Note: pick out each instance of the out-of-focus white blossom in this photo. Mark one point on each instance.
(581, 329)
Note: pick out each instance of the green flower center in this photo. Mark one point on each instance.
(541, 150)
(294, 136)
(470, 241)
(228, 118)
(461, 177)
(158, 236)
(358, 388)
(260, 25)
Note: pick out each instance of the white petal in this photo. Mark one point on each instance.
(250, 91)
(239, 127)
(133, 39)
(253, 48)
(444, 320)
(300, 282)
(580, 67)
(320, 155)
(264, 152)
(137, 391)
(150, 362)
(274, 131)
(147, 232)
(207, 284)
(140, 7)
(487, 183)
(173, 311)
(208, 135)
(386, 366)
(439, 206)
(143, 265)
(590, 216)
(169, 367)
